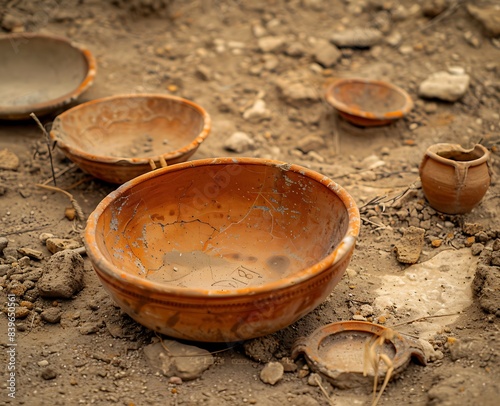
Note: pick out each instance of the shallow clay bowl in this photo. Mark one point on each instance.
(368, 103)
(116, 138)
(41, 73)
(224, 249)
(337, 351)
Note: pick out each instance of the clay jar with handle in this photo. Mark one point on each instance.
(454, 179)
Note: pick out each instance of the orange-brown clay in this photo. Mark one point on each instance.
(41, 73)
(368, 103)
(106, 137)
(222, 249)
(454, 180)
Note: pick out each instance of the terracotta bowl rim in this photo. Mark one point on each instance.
(23, 111)
(131, 161)
(432, 151)
(342, 250)
(389, 115)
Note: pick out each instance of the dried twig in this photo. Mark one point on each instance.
(59, 174)
(425, 318)
(440, 17)
(74, 203)
(47, 140)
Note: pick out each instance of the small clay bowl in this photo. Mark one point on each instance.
(118, 138)
(41, 73)
(223, 249)
(337, 351)
(368, 103)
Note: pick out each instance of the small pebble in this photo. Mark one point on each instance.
(48, 373)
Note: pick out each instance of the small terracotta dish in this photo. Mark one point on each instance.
(41, 73)
(224, 249)
(337, 351)
(120, 137)
(368, 103)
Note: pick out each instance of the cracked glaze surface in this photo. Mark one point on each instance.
(223, 233)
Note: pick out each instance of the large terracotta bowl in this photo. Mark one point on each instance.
(222, 250)
(41, 73)
(120, 137)
(368, 103)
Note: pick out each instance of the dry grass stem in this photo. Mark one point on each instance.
(74, 203)
(323, 390)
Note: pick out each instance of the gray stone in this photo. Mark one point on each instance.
(239, 142)
(296, 91)
(488, 15)
(52, 315)
(296, 49)
(184, 361)
(432, 8)
(357, 38)
(258, 112)
(313, 379)
(311, 143)
(4, 269)
(326, 54)
(316, 5)
(466, 348)
(62, 276)
(90, 328)
(272, 373)
(49, 373)
(409, 247)
(3, 243)
(271, 43)
(445, 86)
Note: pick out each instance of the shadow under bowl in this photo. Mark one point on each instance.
(224, 249)
(117, 138)
(368, 103)
(41, 73)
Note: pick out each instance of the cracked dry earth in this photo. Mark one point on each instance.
(260, 69)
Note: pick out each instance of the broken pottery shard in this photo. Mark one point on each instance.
(409, 248)
(31, 253)
(62, 276)
(184, 361)
(60, 244)
(445, 86)
(357, 38)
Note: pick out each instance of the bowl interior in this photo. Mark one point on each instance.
(38, 70)
(219, 227)
(130, 126)
(374, 97)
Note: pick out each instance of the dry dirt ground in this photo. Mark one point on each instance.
(84, 350)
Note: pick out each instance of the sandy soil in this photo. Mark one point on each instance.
(85, 350)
